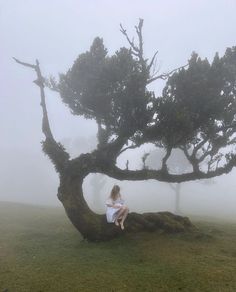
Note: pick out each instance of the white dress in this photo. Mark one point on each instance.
(111, 213)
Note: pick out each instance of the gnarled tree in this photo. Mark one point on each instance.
(196, 113)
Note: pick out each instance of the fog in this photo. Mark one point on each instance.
(57, 31)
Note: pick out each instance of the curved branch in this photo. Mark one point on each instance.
(165, 158)
(191, 158)
(162, 175)
(133, 146)
(165, 76)
(54, 150)
(199, 145)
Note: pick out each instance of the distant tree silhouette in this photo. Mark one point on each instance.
(98, 183)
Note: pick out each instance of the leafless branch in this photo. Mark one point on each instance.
(184, 149)
(165, 76)
(123, 31)
(54, 150)
(136, 50)
(51, 83)
(133, 146)
(192, 159)
(165, 158)
(140, 36)
(206, 152)
(25, 64)
(199, 145)
(152, 61)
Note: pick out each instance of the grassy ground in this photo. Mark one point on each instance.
(41, 251)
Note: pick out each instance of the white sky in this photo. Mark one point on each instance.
(57, 31)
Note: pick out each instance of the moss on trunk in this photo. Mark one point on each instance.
(94, 227)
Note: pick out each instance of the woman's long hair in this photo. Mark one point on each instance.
(115, 192)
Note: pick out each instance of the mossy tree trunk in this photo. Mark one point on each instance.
(72, 173)
(94, 227)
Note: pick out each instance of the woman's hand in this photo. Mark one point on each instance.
(117, 206)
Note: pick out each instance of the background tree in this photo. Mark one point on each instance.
(177, 163)
(98, 183)
(196, 113)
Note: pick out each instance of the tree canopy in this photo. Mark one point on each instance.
(109, 89)
(196, 113)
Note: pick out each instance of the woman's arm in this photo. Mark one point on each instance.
(113, 206)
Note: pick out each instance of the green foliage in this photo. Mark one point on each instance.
(197, 99)
(113, 91)
(109, 89)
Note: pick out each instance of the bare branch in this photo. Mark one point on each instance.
(199, 145)
(140, 37)
(144, 158)
(129, 147)
(165, 158)
(187, 155)
(25, 64)
(127, 165)
(123, 31)
(206, 153)
(54, 150)
(136, 50)
(165, 76)
(51, 83)
(152, 61)
(212, 148)
(192, 159)
(215, 159)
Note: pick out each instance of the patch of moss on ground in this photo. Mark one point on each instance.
(41, 251)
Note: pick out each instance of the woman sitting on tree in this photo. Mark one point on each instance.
(116, 210)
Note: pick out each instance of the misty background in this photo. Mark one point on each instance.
(56, 32)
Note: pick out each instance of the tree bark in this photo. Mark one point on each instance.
(94, 227)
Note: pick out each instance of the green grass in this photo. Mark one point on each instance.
(41, 251)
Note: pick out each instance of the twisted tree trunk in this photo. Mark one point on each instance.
(72, 173)
(94, 227)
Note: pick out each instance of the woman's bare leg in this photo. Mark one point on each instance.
(124, 215)
(119, 215)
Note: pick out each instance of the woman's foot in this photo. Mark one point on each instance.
(122, 226)
(117, 223)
